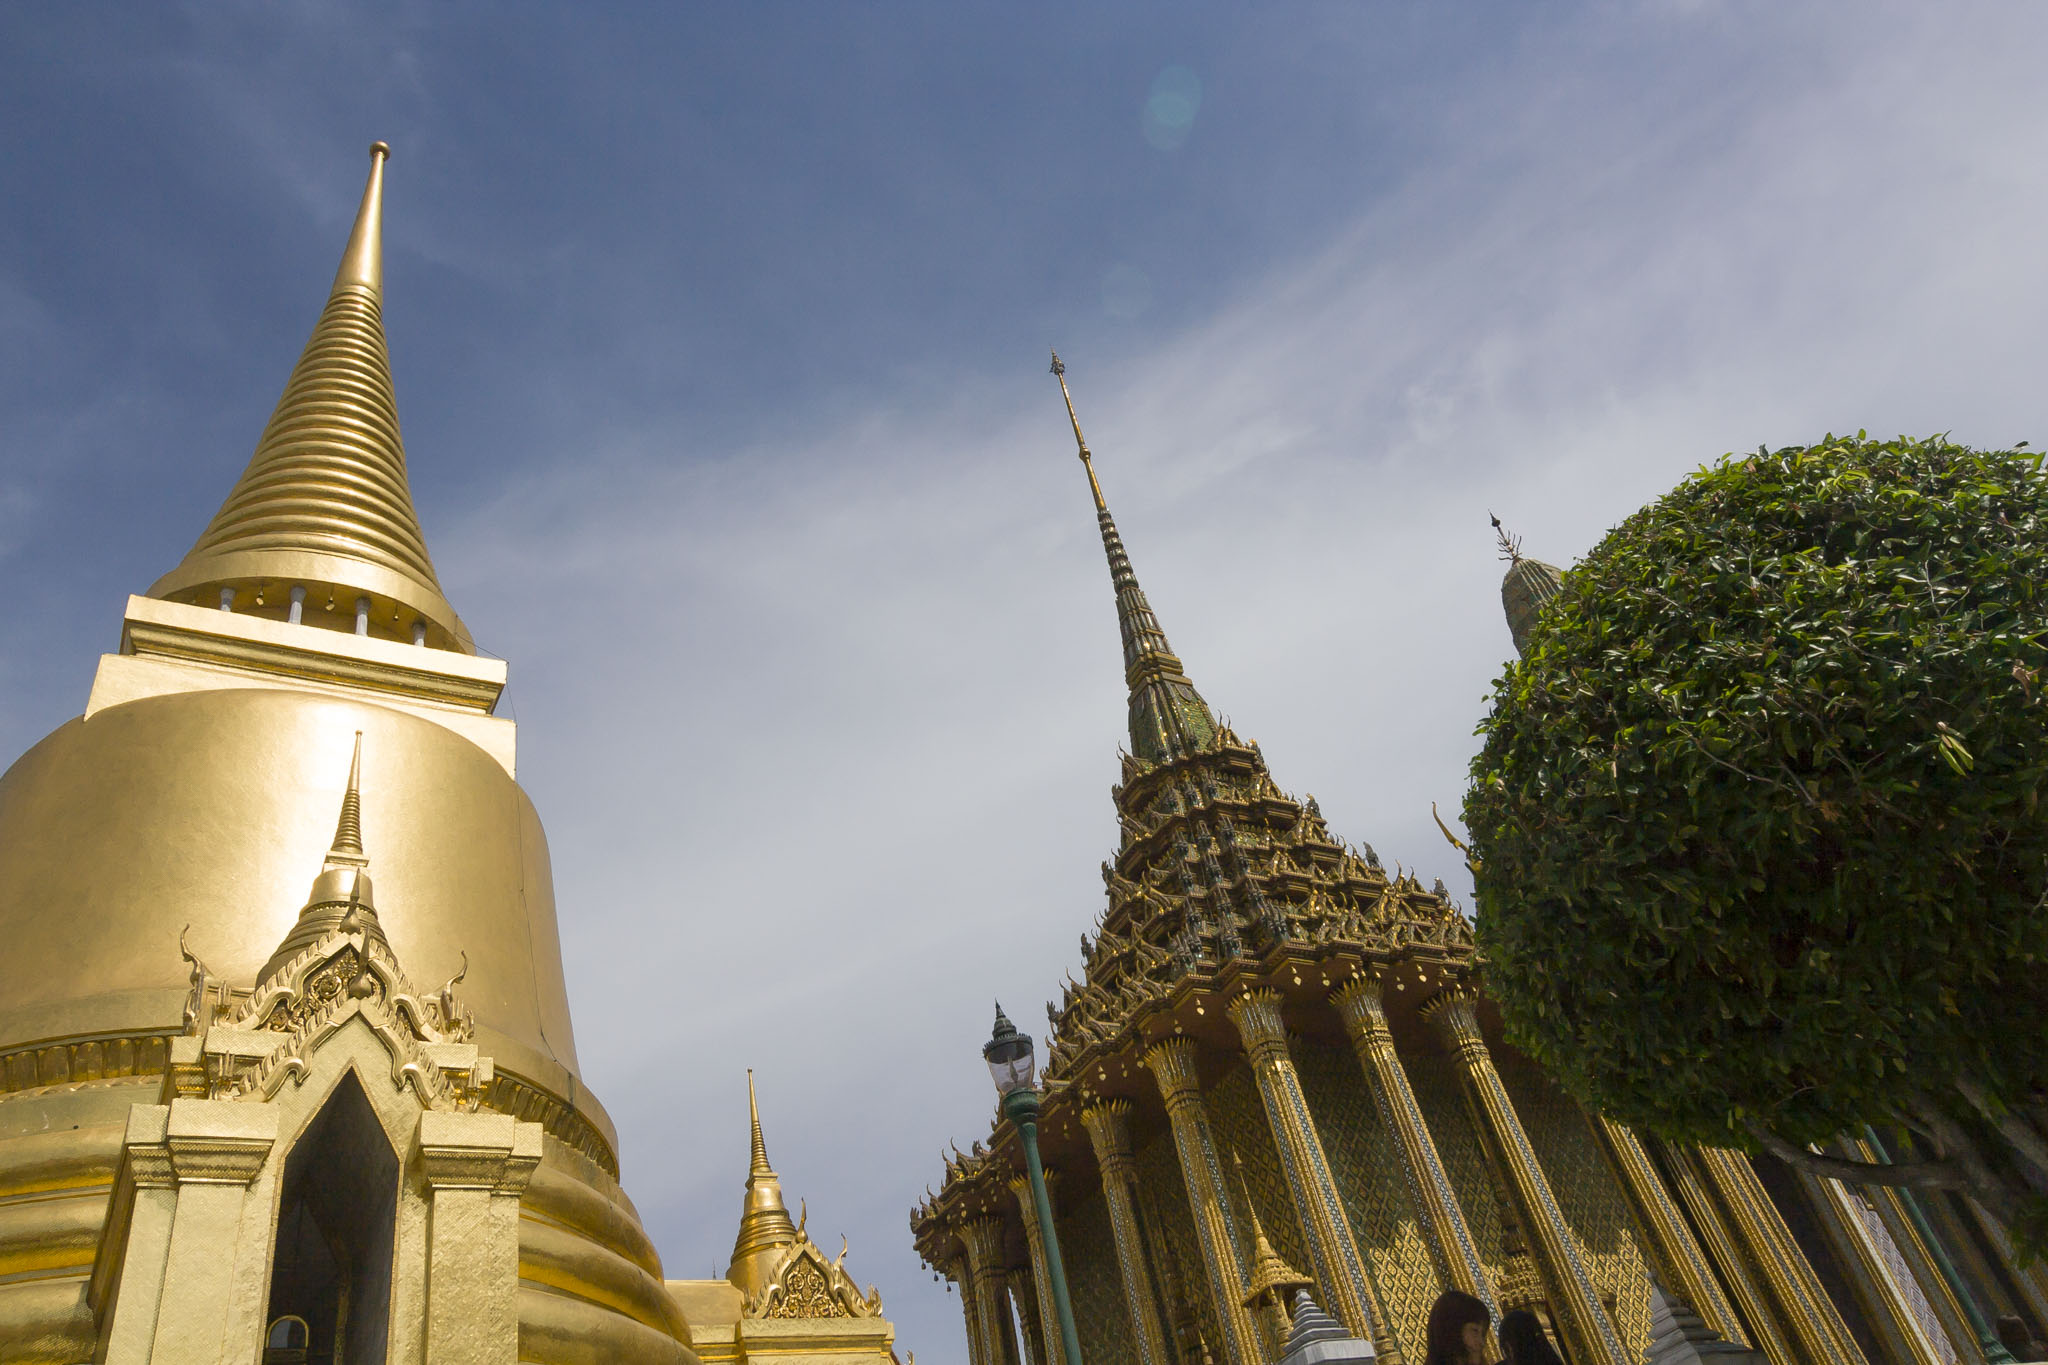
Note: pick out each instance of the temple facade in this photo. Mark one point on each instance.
(287, 1070)
(1278, 1069)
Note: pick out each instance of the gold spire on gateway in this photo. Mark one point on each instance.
(320, 528)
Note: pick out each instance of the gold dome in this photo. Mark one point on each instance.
(215, 809)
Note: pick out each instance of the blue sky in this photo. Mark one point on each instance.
(720, 342)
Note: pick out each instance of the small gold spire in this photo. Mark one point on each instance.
(765, 1234)
(342, 896)
(1273, 1280)
(348, 830)
(1087, 461)
(760, 1166)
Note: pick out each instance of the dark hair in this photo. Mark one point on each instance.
(1452, 1312)
(1521, 1336)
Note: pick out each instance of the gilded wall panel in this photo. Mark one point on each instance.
(1238, 1118)
(1094, 1283)
(1594, 1204)
(1434, 1079)
(1366, 1161)
(1163, 1198)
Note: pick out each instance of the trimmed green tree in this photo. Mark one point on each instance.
(1757, 827)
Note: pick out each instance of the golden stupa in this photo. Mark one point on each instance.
(244, 1120)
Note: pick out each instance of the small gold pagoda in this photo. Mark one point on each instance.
(1257, 986)
(234, 1125)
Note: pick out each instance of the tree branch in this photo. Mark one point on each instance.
(1995, 1193)
(1934, 1175)
(2027, 1144)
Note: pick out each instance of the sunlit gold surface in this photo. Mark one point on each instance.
(213, 809)
(176, 1005)
(324, 502)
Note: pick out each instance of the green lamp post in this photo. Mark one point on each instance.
(1011, 1064)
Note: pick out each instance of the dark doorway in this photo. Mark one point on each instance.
(331, 1265)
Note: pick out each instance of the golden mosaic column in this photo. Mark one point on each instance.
(1333, 1251)
(1817, 1328)
(984, 1239)
(1107, 1130)
(1006, 1325)
(1048, 1312)
(1362, 1006)
(1585, 1320)
(1884, 1303)
(1172, 1063)
(1025, 1296)
(1738, 1271)
(1678, 1253)
(964, 1277)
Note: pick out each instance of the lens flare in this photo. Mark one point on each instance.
(1170, 108)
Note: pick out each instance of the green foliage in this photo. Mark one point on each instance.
(1756, 822)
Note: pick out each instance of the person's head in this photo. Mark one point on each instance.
(1522, 1339)
(1457, 1329)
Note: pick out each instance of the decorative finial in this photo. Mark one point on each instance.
(1510, 546)
(1059, 370)
(760, 1165)
(362, 262)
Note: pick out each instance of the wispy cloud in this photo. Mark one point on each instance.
(765, 493)
(825, 729)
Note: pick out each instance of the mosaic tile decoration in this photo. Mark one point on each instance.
(1366, 1160)
(1094, 1282)
(1595, 1206)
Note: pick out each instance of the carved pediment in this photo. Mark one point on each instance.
(264, 1040)
(806, 1285)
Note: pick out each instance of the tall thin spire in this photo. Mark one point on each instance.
(324, 504)
(348, 830)
(1168, 718)
(760, 1166)
(765, 1229)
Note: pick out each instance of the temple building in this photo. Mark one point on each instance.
(1278, 1070)
(287, 1070)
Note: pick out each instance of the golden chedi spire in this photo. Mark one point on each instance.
(766, 1233)
(1168, 718)
(342, 893)
(321, 523)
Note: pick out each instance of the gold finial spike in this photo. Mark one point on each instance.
(348, 830)
(1059, 370)
(760, 1166)
(362, 263)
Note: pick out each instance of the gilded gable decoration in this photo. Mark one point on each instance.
(806, 1285)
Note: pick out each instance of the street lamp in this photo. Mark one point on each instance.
(1010, 1065)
